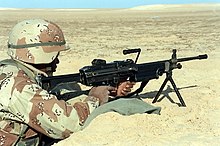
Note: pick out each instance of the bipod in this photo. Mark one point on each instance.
(169, 78)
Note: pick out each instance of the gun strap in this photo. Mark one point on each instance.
(70, 95)
(140, 89)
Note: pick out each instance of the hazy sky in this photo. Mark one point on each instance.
(92, 3)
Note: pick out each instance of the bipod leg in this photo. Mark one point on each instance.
(161, 89)
(177, 92)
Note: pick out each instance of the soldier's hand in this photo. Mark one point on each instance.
(124, 88)
(102, 93)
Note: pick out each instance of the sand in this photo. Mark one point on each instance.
(104, 33)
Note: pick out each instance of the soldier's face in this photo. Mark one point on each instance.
(49, 68)
(54, 64)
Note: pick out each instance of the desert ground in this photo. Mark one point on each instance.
(104, 33)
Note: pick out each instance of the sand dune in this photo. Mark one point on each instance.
(179, 7)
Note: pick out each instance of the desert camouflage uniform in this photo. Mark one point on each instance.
(25, 108)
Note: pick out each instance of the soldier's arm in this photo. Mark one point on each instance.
(44, 113)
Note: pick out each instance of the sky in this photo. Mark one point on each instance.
(92, 3)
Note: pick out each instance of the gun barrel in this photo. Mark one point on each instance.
(205, 56)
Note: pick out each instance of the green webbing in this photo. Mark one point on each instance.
(36, 44)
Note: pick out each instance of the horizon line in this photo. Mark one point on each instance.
(209, 3)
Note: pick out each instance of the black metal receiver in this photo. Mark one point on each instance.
(102, 73)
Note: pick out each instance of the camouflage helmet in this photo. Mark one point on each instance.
(35, 41)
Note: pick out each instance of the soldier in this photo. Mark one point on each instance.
(26, 110)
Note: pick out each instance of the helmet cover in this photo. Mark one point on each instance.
(36, 41)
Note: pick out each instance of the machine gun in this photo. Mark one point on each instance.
(102, 73)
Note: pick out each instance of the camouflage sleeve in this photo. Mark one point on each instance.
(44, 113)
